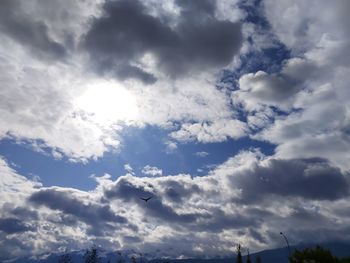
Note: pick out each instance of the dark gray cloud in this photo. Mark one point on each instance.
(257, 236)
(218, 220)
(13, 225)
(177, 191)
(28, 31)
(22, 212)
(199, 7)
(10, 245)
(131, 239)
(92, 214)
(126, 32)
(307, 178)
(127, 191)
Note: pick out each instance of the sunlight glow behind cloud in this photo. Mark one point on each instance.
(107, 102)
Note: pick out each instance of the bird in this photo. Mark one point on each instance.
(146, 199)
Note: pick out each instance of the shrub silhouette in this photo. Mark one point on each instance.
(313, 255)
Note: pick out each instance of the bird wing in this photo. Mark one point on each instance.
(146, 199)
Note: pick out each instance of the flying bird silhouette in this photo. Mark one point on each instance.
(146, 199)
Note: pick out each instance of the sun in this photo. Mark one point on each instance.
(107, 102)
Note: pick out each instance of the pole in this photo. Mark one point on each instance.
(286, 239)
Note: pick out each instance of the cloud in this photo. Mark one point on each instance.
(13, 225)
(307, 178)
(221, 220)
(42, 87)
(38, 107)
(31, 33)
(264, 88)
(152, 170)
(128, 168)
(218, 131)
(41, 82)
(14, 186)
(202, 154)
(90, 213)
(301, 107)
(179, 190)
(245, 200)
(116, 43)
(318, 130)
(170, 146)
(304, 33)
(125, 189)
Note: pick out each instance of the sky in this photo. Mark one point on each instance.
(233, 115)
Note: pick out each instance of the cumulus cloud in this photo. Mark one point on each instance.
(152, 170)
(243, 200)
(51, 52)
(168, 67)
(210, 132)
(263, 88)
(302, 108)
(13, 225)
(38, 106)
(127, 32)
(307, 178)
(28, 31)
(39, 90)
(90, 213)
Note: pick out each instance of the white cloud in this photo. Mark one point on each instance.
(202, 154)
(210, 205)
(152, 170)
(170, 146)
(262, 88)
(45, 101)
(38, 103)
(217, 131)
(14, 186)
(128, 168)
(301, 25)
(310, 88)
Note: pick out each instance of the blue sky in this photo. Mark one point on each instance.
(141, 147)
(233, 114)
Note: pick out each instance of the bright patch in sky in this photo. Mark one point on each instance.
(107, 102)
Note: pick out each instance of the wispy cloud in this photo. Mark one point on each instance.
(202, 154)
(152, 170)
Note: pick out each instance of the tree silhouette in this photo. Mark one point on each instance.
(239, 254)
(91, 255)
(258, 259)
(120, 259)
(248, 258)
(65, 258)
